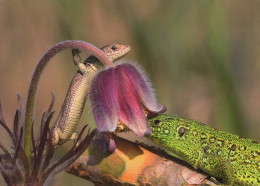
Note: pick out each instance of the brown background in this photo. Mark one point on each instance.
(203, 57)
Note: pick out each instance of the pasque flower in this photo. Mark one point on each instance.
(123, 94)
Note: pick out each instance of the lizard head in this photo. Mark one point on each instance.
(166, 127)
(115, 51)
(112, 51)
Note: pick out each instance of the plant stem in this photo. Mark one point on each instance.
(73, 44)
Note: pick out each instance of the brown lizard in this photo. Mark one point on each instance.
(64, 127)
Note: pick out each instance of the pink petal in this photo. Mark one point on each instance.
(104, 102)
(143, 88)
(111, 144)
(131, 111)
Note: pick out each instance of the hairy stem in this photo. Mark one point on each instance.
(81, 45)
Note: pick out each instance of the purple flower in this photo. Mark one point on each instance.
(123, 94)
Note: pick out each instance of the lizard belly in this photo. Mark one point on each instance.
(77, 102)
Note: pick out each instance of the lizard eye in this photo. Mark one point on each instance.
(114, 47)
(181, 131)
(156, 122)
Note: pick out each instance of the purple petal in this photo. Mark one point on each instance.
(110, 145)
(143, 88)
(131, 110)
(104, 102)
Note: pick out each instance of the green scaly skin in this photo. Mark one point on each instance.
(234, 160)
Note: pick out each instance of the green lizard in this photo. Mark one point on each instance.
(64, 127)
(232, 159)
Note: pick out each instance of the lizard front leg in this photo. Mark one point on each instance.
(218, 167)
(77, 61)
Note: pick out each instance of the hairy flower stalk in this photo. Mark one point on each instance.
(123, 94)
(81, 45)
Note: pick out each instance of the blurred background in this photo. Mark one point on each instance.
(203, 57)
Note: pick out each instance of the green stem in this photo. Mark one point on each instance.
(81, 45)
